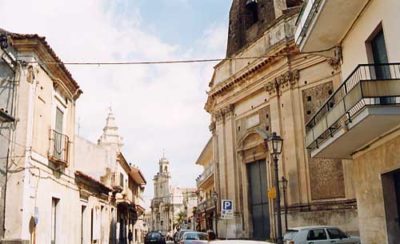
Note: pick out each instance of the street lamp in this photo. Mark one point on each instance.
(215, 197)
(276, 146)
(284, 182)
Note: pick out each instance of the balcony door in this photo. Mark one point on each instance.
(380, 58)
(258, 200)
(58, 142)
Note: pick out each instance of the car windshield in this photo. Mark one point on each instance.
(195, 236)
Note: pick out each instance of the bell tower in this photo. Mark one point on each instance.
(249, 19)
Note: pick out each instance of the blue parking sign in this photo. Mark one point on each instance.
(226, 209)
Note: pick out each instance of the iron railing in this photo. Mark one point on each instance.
(368, 84)
(59, 147)
(209, 170)
(307, 14)
(206, 204)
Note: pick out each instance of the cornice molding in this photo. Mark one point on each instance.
(229, 84)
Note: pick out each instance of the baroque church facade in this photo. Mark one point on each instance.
(266, 85)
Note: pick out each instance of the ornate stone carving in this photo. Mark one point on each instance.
(287, 79)
(224, 112)
(211, 127)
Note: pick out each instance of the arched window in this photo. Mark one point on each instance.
(251, 12)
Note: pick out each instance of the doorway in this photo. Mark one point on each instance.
(258, 200)
(391, 196)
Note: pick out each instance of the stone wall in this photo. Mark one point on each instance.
(243, 29)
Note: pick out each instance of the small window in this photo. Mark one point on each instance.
(316, 234)
(309, 98)
(121, 180)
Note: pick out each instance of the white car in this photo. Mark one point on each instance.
(318, 235)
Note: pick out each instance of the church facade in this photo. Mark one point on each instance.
(266, 85)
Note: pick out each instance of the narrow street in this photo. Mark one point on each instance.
(229, 121)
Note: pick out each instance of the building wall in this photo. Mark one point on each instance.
(370, 165)
(305, 81)
(354, 48)
(6, 102)
(32, 180)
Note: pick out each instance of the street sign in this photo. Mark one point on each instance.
(272, 193)
(226, 209)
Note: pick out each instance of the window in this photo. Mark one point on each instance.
(121, 180)
(293, 3)
(251, 12)
(316, 234)
(336, 233)
(379, 55)
(59, 120)
(54, 213)
(58, 137)
(83, 223)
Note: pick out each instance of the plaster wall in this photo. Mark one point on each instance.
(32, 180)
(369, 165)
(93, 159)
(6, 101)
(384, 12)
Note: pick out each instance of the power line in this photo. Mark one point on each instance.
(182, 61)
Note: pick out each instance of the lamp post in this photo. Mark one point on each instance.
(276, 146)
(215, 197)
(284, 188)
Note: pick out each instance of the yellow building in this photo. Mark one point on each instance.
(265, 85)
(361, 119)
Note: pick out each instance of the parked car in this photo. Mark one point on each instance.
(194, 237)
(154, 237)
(318, 235)
(178, 235)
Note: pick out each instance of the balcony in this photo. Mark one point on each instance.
(5, 117)
(59, 148)
(315, 29)
(206, 175)
(205, 205)
(363, 108)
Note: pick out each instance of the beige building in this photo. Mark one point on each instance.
(111, 217)
(207, 196)
(361, 119)
(171, 205)
(265, 85)
(55, 187)
(41, 197)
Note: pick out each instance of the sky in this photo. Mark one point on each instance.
(157, 107)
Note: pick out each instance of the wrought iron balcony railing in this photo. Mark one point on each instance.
(205, 205)
(367, 85)
(208, 171)
(59, 148)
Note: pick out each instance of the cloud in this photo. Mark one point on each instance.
(156, 106)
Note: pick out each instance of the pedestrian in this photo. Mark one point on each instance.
(130, 236)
